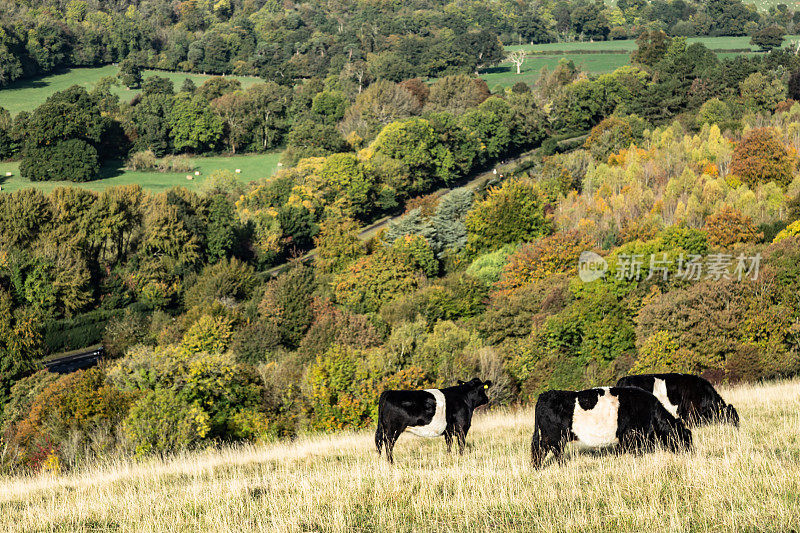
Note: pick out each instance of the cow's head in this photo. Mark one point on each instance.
(476, 391)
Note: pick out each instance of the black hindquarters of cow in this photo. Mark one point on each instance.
(692, 398)
(628, 417)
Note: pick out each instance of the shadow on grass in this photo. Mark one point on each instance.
(111, 169)
(496, 70)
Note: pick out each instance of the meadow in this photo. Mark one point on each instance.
(595, 57)
(735, 480)
(26, 95)
(252, 166)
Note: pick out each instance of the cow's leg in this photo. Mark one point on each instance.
(558, 451)
(448, 439)
(461, 437)
(391, 437)
(538, 449)
(379, 437)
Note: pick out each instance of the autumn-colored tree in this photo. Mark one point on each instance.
(514, 212)
(761, 156)
(372, 281)
(337, 245)
(542, 258)
(728, 227)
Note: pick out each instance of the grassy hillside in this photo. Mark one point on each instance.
(736, 480)
(26, 95)
(253, 167)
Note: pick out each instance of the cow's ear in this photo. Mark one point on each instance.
(487, 384)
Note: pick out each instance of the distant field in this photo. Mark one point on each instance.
(505, 74)
(617, 55)
(253, 167)
(26, 95)
(712, 43)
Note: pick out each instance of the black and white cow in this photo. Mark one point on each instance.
(687, 396)
(627, 416)
(429, 413)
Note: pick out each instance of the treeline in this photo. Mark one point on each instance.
(286, 42)
(205, 348)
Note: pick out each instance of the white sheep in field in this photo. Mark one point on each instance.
(189, 177)
(196, 172)
(238, 170)
(9, 174)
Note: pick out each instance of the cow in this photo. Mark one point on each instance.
(629, 417)
(687, 396)
(429, 413)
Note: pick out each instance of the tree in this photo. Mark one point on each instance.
(158, 85)
(729, 227)
(193, 126)
(269, 105)
(8, 146)
(651, 46)
(380, 104)
(218, 86)
(63, 138)
(149, 118)
(761, 157)
(20, 343)
(130, 72)
(411, 158)
(337, 245)
(234, 109)
(457, 94)
(768, 38)
(761, 94)
(511, 213)
(517, 58)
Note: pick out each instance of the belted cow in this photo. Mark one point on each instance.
(687, 396)
(627, 416)
(429, 413)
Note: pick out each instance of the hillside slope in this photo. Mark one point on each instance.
(735, 480)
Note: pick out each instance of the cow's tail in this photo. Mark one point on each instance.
(380, 432)
(538, 451)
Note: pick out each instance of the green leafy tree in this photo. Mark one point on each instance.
(193, 126)
(130, 72)
(768, 38)
(511, 213)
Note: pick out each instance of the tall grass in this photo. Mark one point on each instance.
(736, 480)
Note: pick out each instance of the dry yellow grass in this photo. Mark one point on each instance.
(745, 480)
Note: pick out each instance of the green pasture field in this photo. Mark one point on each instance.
(26, 95)
(712, 43)
(252, 167)
(617, 54)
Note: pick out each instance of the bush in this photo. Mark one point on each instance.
(340, 390)
(143, 160)
(163, 421)
(488, 267)
(72, 407)
(226, 281)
